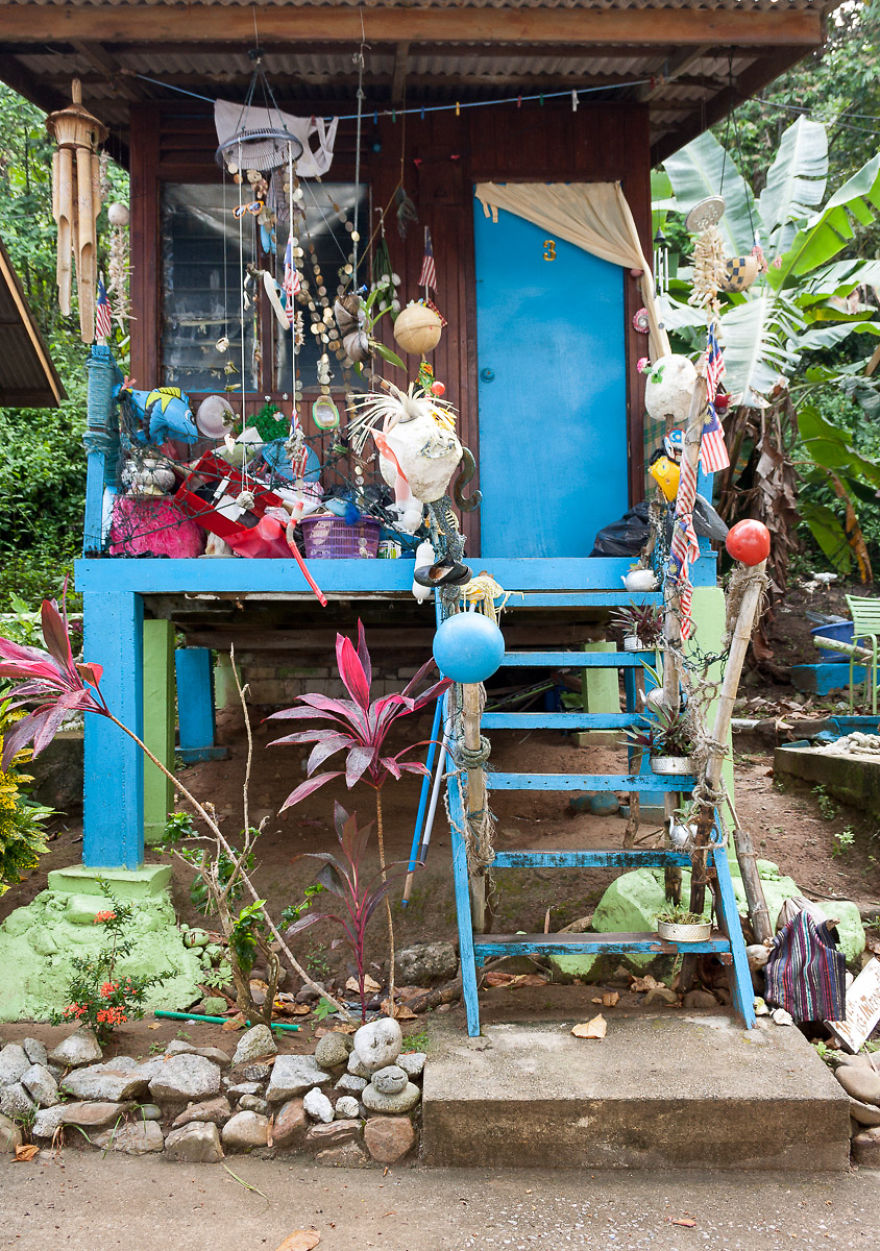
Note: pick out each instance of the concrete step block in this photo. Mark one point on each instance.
(658, 1092)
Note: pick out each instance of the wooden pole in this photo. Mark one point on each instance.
(672, 625)
(758, 913)
(739, 645)
(476, 804)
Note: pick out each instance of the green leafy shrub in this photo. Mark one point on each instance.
(99, 997)
(22, 833)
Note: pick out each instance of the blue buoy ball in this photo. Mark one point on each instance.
(468, 647)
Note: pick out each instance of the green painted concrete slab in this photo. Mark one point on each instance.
(144, 883)
(853, 778)
(669, 1091)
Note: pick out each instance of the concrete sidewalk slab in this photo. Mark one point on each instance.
(660, 1091)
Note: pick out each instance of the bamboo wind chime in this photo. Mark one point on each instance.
(76, 203)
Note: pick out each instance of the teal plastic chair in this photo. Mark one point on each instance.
(866, 627)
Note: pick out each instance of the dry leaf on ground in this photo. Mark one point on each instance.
(401, 1011)
(597, 1028)
(495, 977)
(370, 985)
(644, 983)
(300, 1240)
(685, 1221)
(26, 1152)
(405, 993)
(234, 1023)
(610, 998)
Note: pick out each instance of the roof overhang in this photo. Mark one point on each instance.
(689, 61)
(27, 376)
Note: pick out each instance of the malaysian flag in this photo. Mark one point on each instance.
(428, 275)
(713, 450)
(684, 546)
(103, 321)
(291, 284)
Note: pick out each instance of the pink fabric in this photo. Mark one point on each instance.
(153, 526)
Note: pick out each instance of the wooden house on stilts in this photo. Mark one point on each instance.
(521, 136)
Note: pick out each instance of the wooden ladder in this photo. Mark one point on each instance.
(476, 948)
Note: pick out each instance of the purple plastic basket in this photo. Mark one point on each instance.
(329, 538)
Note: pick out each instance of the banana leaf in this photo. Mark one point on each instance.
(704, 168)
(832, 230)
(795, 183)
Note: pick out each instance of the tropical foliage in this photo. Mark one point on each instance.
(22, 821)
(784, 338)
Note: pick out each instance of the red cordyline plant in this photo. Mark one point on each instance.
(58, 685)
(360, 896)
(359, 727)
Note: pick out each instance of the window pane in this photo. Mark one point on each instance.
(329, 219)
(202, 266)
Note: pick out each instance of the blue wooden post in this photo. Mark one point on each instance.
(741, 987)
(101, 440)
(195, 705)
(113, 800)
(457, 827)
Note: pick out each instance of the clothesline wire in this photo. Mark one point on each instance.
(567, 94)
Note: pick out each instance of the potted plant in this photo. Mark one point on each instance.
(641, 626)
(676, 924)
(668, 737)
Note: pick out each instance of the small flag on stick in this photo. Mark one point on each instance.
(428, 275)
(291, 283)
(103, 320)
(713, 450)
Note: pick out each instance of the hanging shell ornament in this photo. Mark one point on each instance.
(641, 323)
(418, 329)
(76, 203)
(739, 273)
(669, 386)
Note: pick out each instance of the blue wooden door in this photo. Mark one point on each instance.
(552, 391)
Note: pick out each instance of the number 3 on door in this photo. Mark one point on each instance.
(549, 250)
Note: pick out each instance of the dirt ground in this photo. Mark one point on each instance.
(833, 852)
(794, 827)
(78, 1201)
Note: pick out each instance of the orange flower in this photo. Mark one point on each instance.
(104, 916)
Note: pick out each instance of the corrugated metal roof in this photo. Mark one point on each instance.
(27, 376)
(819, 6)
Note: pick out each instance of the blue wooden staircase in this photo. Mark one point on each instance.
(476, 948)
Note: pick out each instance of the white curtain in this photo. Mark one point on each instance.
(592, 215)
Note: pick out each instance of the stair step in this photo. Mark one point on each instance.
(576, 660)
(560, 720)
(589, 782)
(594, 858)
(489, 946)
(673, 1090)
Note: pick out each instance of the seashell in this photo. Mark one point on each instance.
(668, 389)
(640, 321)
(357, 346)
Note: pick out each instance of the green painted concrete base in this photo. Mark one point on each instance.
(144, 883)
(631, 903)
(38, 942)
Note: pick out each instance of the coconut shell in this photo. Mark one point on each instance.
(417, 329)
(739, 273)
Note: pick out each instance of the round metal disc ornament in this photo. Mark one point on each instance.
(705, 213)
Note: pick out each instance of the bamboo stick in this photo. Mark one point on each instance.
(672, 625)
(476, 803)
(705, 819)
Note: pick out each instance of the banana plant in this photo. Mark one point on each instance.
(805, 302)
(798, 304)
